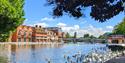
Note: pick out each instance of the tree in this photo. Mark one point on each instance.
(101, 37)
(101, 10)
(105, 35)
(92, 37)
(75, 35)
(120, 28)
(86, 36)
(68, 35)
(11, 16)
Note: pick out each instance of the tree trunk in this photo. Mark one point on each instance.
(10, 37)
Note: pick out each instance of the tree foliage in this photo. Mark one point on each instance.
(105, 35)
(101, 37)
(86, 36)
(68, 35)
(92, 37)
(11, 16)
(120, 28)
(101, 10)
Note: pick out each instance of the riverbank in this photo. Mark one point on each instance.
(120, 59)
(30, 43)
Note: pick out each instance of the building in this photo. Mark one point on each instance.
(22, 34)
(52, 37)
(37, 34)
(59, 34)
(116, 39)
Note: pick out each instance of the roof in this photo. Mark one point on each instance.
(116, 36)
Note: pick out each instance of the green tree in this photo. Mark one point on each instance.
(92, 37)
(11, 16)
(105, 35)
(120, 28)
(101, 37)
(68, 35)
(101, 10)
(86, 36)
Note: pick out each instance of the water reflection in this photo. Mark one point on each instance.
(45, 53)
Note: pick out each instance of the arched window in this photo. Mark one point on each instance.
(19, 32)
(25, 33)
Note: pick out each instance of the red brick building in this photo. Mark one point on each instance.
(37, 34)
(22, 34)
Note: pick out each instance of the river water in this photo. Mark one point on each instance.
(41, 53)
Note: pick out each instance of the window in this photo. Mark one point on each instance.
(29, 39)
(19, 33)
(30, 34)
(25, 34)
(19, 39)
(24, 39)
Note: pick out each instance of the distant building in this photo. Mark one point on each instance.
(58, 32)
(22, 34)
(37, 34)
(116, 39)
(52, 37)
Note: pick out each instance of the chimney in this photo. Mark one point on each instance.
(40, 26)
(36, 26)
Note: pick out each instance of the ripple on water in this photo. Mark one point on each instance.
(44, 53)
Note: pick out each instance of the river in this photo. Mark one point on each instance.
(42, 53)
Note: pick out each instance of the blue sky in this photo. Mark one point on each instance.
(37, 13)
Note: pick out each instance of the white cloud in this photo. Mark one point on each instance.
(70, 29)
(47, 19)
(80, 32)
(109, 27)
(42, 24)
(61, 24)
(83, 22)
(95, 31)
(76, 27)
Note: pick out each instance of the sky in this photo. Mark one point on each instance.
(36, 13)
